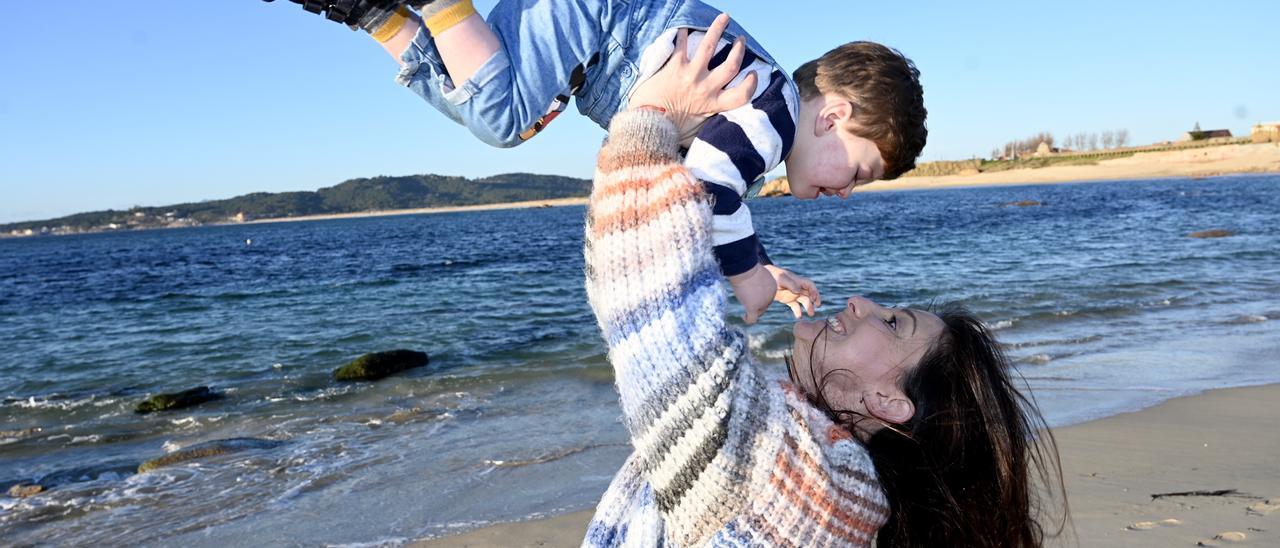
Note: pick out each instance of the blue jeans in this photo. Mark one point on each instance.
(549, 51)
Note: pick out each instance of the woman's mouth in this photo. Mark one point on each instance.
(835, 324)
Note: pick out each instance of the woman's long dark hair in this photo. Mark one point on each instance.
(976, 464)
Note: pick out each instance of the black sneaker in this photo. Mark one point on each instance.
(365, 14)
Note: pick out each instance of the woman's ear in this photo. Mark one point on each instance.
(893, 408)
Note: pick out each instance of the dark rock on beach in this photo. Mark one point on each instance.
(1214, 233)
(208, 449)
(377, 365)
(102, 471)
(178, 400)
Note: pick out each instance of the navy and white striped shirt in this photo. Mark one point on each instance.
(734, 149)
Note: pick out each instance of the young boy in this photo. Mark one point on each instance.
(850, 117)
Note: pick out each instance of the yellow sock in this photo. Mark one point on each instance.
(391, 27)
(440, 15)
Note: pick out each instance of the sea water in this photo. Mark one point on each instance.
(1101, 299)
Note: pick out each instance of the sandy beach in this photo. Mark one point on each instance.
(452, 209)
(1200, 162)
(1219, 441)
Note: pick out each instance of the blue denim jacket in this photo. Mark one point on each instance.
(543, 44)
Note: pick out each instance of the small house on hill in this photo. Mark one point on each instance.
(1266, 133)
(1199, 135)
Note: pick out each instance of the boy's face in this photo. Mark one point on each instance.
(827, 159)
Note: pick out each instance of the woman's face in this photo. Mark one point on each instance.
(857, 356)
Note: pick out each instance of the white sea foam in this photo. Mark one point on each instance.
(34, 402)
(1002, 324)
(390, 541)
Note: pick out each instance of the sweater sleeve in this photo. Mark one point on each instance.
(725, 455)
(654, 285)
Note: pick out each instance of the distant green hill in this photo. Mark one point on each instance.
(355, 195)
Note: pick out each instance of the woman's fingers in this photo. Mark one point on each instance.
(711, 40)
(795, 309)
(728, 70)
(681, 53)
(738, 95)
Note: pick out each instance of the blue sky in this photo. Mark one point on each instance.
(152, 102)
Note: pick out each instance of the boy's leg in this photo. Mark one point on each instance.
(524, 63)
(462, 37)
(544, 50)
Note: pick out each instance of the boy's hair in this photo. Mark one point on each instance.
(888, 102)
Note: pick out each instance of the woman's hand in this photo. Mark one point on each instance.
(688, 91)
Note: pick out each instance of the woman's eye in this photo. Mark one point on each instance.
(892, 322)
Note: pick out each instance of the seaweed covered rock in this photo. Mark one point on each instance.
(208, 449)
(1023, 203)
(24, 490)
(177, 400)
(1212, 233)
(374, 366)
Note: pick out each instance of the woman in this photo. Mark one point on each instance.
(900, 423)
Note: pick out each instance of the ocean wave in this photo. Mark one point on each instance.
(56, 401)
(544, 458)
(1001, 324)
(1037, 359)
(324, 393)
(1247, 319)
(1054, 342)
(380, 543)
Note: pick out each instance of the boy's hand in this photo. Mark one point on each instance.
(755, 289)
(796, 291)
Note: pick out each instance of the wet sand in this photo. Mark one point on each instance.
(1217, 441)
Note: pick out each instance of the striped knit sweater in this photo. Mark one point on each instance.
(723, 455)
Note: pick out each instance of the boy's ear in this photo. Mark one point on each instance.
(832, 114)
(893, 408)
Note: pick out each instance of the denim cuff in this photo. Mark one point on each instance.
(494, 66)
(422, 57)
